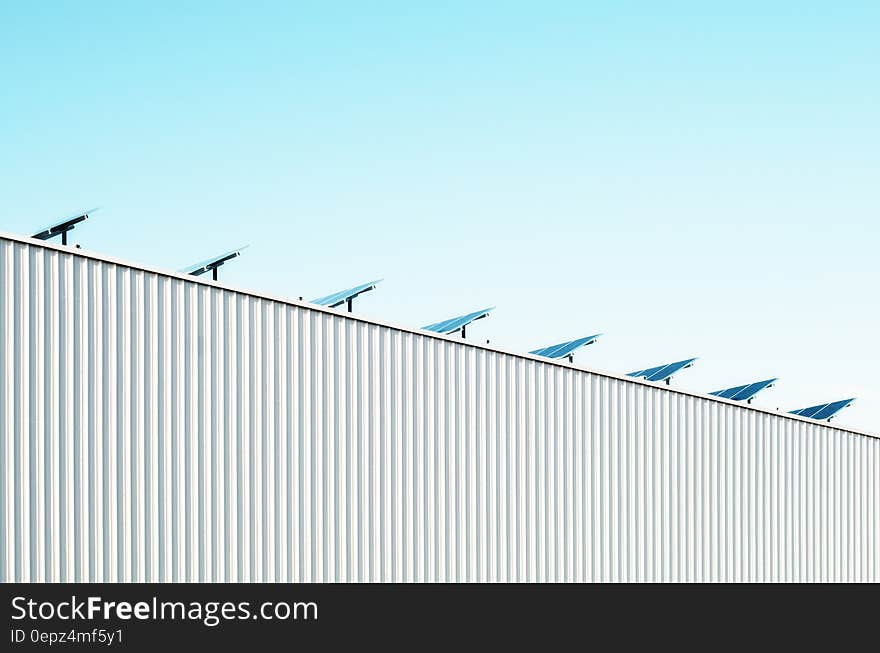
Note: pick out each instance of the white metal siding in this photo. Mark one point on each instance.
(161, 429)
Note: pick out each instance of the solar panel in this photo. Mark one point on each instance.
(458, 323)
(565, 349)
(744, 392)
(212, 264)
(62, 227)
(663, 372)
(345, 296)
(823, 411)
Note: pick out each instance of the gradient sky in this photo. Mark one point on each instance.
(690, 178)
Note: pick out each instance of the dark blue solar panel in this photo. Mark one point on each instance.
(808, 412)
(729, 393)
(663, 372)
(833, 408)
(744, 392)
(457, 323)
(648, 372)
(566, 348)
(823, 411)
(753, 388)
(812, 411)
(338, 298)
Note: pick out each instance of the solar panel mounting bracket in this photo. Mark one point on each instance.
(62, 227)
(346, 297)
(460, 323)
(212, 265)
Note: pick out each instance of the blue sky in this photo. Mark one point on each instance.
(690, 178)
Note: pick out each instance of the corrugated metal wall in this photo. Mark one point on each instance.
(168, 430)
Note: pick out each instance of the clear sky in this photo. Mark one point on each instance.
(689, 178)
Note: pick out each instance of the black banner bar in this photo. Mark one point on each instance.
(414, 617)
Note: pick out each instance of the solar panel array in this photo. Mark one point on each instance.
(341, 297)
(663, 372)
(823, 411)
(744, 392)
(457, 323)
(559, 351)
(565, 349)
